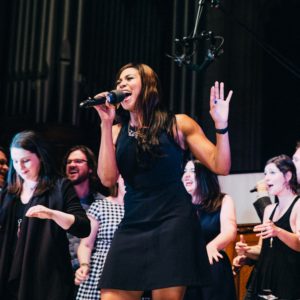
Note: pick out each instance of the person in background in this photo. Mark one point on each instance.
(36, 210)
(3, 167)
(276, 273)
(80, 167)
(157, 245)
(216, 215)
(263, 200)
(105, 216)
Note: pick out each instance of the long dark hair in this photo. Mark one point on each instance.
(208, 188)
(152, 117)
(32, 142)
(285, 164)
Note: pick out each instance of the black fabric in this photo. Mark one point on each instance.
(158, 243)
(278, 266)
(222, 286)
(40, 267)
(260, 204)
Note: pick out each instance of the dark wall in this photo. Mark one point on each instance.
(56, 53)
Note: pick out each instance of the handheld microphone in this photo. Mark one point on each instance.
(253, 190)
(113, 97)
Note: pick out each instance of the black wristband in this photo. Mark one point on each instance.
(221, 131)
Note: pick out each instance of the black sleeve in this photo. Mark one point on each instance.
(260, 204)
(81, 227)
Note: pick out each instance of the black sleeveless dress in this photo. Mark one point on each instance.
(157, 244)
(278, 268)
(222, 278)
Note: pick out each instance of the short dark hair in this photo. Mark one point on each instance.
(32, 142)
(285, 164)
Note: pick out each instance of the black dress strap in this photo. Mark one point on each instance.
(288, 211)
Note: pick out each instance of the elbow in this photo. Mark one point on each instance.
(107, 181)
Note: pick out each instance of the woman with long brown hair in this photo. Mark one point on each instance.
(157, 245)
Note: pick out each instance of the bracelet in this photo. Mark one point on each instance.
(221, 131)
(85, 265)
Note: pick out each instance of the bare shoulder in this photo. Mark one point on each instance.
(115, 132)
(185, 123)
(227, 200)
(268, 210)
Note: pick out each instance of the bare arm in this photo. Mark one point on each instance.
(84, 252)
(227, 233)
(64, 220)
(107, 164)
(269, 230)
(215, 157)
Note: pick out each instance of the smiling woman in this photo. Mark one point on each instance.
(36, 211)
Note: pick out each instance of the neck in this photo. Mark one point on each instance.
(30, 184)
(285, 199)
(118, 200)
(133, 121)
(82, 189)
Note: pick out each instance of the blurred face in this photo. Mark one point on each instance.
(77, 169)
(296, 160)
(3, 168)
(189, 178)
(26, 164)
(130, 81)
(276, 181)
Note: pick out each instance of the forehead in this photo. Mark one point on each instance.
(271, 167)
(20, 152)
(77, 154)
(2, 155)
(129, 71)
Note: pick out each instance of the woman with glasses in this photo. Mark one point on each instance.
(36, 211)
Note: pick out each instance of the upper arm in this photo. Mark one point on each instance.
(268, 211)
(90, 240)
(193, 136)
(115, 132)
(228, 216)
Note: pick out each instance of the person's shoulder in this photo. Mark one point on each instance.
(185, 123)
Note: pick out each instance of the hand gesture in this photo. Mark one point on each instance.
(106, 111)
(267, 230)
(261, 186)
(237, 263)
(241, 247)
(81, 274)
(219, 107)
(213, 253)
(39, 211)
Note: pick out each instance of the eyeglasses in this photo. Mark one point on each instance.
(3, 162)
(76, 161)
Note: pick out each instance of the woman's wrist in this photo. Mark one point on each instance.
(85, 264)
(221, 127)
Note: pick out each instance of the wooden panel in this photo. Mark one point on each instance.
(242, 277)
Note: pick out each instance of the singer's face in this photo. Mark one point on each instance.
(130, 81)
(26, 164)
(189, 178)
(77, 169)
(296, 160)
(275, 180)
